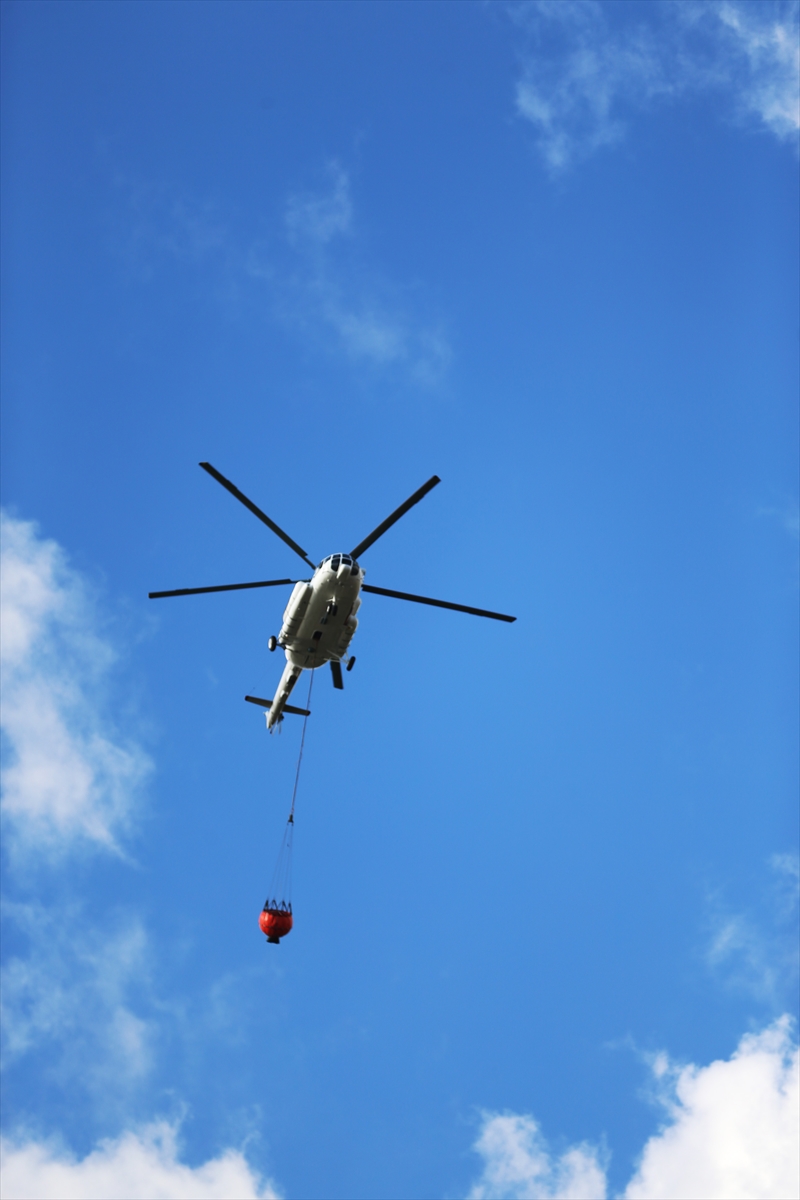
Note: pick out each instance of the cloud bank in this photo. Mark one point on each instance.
(585, 70)
(730, 1133)
(78, 1010)
(144, 1163)
(69, 778)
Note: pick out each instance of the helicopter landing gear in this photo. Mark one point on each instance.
(272, 643)
(351, 662)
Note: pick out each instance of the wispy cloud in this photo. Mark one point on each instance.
(730, 1129)
(308, 273)
(579, 77)
(141, 1162)
(71, 778)
(788, 517)
(317, 218)
(786, 868)
(77, 1001)
(760, 955)
(759, 50)
(153, 223)
(588, 68)
(330, 294)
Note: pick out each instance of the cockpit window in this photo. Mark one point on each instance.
(335, 561)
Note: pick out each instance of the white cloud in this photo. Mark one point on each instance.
(70, 778)
(142, 1164)
(585, 70)
(732, 1129)
(519, 1165)
(731, 1133)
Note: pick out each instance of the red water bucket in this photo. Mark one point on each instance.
(275, 923)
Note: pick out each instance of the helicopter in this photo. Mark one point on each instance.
(320, 619)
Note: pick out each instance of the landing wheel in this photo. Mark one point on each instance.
(351, 662)
(273, 643)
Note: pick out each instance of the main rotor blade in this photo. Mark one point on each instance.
(262, 516)
(336, 672)
(224, 587)
(476, 612)
(396, 515)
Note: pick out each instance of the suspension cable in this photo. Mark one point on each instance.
(281, 887)
(302, 746)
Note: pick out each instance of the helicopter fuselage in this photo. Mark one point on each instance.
(319, 621)
(318, 624)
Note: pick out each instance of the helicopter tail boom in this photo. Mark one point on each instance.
(289, 678)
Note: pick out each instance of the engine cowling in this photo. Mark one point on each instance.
(295, 610)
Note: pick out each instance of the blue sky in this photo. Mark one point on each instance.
(545, 874)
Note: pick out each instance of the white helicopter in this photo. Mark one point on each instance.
(320, 618)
